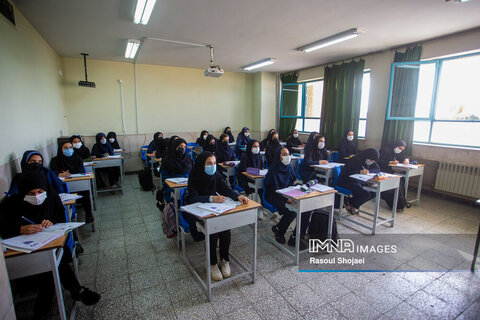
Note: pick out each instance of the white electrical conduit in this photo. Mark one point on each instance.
(123, 109)
(136, 94)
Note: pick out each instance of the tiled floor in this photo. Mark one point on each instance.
(140, 275)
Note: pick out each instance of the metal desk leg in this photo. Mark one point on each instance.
(419, 189)
(91, 205)
(475, 251)
(297, 240)
(254, 249)
(330, 222)
(58, 286)
(207, 261)
(407, 178)
(377, 208)
(394, 208)
(176, 193)
(121, 175)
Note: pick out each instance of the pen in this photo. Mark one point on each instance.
(28, 220)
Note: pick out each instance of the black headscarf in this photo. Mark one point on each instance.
(311, 137)
(99, 149)
(388, 154)
(171, 141)
(175, 163)
(242, 140)
(73, 164)
(357, 163)
(346, 148)
(272, 147)
(199, 179)
(312, 152)
(200, 141)
(31, 180)
(264, 142)
(228, 131)
(279, 175)
(26, 157)
(114, 144)
(292, 141)
(208, 146)
(83, 151)
(250, 160)
(223, 151)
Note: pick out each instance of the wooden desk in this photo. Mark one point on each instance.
(407, 173)
(257, 184)
(177, 188)
(324, 172)
(245, 214)
(109, 162)
(311, 201)
(45, 259)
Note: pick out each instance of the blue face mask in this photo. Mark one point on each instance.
(67, 152)
(210, 170)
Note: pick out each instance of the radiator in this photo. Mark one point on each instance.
(458, 179)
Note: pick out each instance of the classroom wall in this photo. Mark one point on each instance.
(264, 104)
(31, 98)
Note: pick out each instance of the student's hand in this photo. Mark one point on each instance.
(218, 199)
(393, 163)
(323, 162)
(64, 174)
(364, 171)
(46, 223)
(406, 161)
(243, 199)
(30, 229)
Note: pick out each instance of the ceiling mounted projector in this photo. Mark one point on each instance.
(86, 83)
(213, 70)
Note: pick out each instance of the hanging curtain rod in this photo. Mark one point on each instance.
(180, 42)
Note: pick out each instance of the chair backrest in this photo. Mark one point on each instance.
(183, 223)
(144, 152)
(299, 162)
(236, 187)
(265, 204)
(334, 156)
(337, 171)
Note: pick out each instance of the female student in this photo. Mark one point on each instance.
(346, 147)
(210, 143)
(161, 147)
(175, 164)
(79, 147)
(230, 135)
(201, 140)
(251, 159)
(207, 185)
(112, 139)
(281, 175)
(32, 160)
(363, 163)
(66, 163)
(42, 206)
(293, 141)
(242, 140)
(263, 143)
(315, 153)
(273, 144)
(223, 151)
(152, 145)
(101, 149)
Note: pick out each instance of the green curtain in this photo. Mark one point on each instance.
(289, 106)
(404, 97)
(342, 91)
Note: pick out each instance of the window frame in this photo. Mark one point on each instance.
(436, 81)
(360, 119)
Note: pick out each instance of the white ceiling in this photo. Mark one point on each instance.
(242, 31)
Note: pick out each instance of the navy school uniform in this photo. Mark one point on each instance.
(113, 136)
(201, 140)
(346, 148)
(175, 164)
(152, 146)
(249, 160)
(83, 151)
(293, 142)
(99, 150)
(242, 141)
(312, 156)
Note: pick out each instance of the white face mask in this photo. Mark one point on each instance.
(77, 145)
(295, 135)
(286, 160)
(350, 138)
(369, 162)
(247, 134)
(255, 150)
(103, 141)
(321, 145)
(397, 150)
(112, 140)
(36, 200)
(205, 136)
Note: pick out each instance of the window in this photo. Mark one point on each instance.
(447, 105)
(309, 97)
(362, 124)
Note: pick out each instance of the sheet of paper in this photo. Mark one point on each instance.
(328, 165)
(263, 172)
(411, 166)
(321, 188)
(363, 177)
(115, 156)
(180, 180)
(292, 191)
(117, 150)
(235, 162)
(67, 197)
(216, 208)
(87, 163)
(198, 212)
(30, 242)
(63, 228)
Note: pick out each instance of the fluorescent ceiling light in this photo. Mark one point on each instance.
(143, 11)
(132, 47)
(339, 37)
(259, 64)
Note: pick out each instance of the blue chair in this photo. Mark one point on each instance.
(144, 153)
(342, 192)
(270, 211)
(190, 146)
(334, 156)
(181, 221)
(299, 162)
(236, 187)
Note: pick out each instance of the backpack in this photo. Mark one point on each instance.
(318, 228)
(145, 179)
(169, 221)
(389, 195)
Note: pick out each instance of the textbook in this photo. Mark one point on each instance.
(76, 175)
(67, 197)
(292, 191)
(180, 180)
(328, 165)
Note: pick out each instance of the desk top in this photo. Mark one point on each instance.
(250, 205)
(107, 158)
(144, 148)
(225, 166)
(310, 195)
(174, 185)
(405, 168)
(69, 202)
(118, 151)
(57, 243)
(86, 177)
(252, 176)
(89, 164)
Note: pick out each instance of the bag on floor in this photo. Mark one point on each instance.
(169, 222)
(145, 179)
(318, 228)
(389, 196)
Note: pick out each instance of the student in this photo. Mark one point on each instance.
(210, 144)
(251, 159)
(263, 143)
(363, 163)
(393, 154)
(223, 151)
(207, 185)
(281, 175)
(293, 141)
(153, 144)
(101, 149)
(80, 148)
(312, 136)
(346, 147)
(230, 135)
(66, 163)
(112, 139)
(32, 160)
(273, 144)
(242, 140)
(40, 204)
(162, 147)
(201, 140)
(175, 164)
(315, 153)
